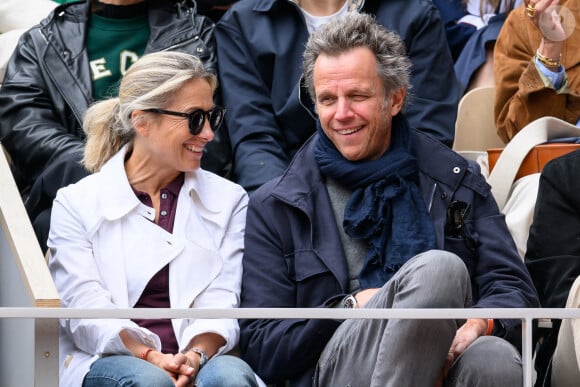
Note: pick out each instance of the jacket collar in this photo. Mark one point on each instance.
(181, 14)
(446, 166)
(301, 177)
(66, 21)
(266, 5)
(76, 15)
(434, 160)
(118, 199)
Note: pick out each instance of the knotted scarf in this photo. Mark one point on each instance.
(386, 208)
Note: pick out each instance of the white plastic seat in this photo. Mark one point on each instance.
(475, 126)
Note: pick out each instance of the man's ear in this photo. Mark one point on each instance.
(397, 101)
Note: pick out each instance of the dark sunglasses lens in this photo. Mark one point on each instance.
(196, 121)
(216, 116)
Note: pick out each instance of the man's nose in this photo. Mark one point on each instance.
(343, 109)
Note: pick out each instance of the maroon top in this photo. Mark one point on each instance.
(156, 293)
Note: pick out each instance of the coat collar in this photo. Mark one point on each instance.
(434, 159)
(446, 166)
(266, 5)
(117, 197)
(301, 177)
(159, 14)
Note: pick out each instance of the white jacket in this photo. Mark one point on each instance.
(105, 248)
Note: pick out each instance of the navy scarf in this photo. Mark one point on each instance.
(386, 208)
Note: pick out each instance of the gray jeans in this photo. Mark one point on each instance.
(412, 352)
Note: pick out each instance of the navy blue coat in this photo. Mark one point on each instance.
(294, 256)
(260, 45)
(457, 33)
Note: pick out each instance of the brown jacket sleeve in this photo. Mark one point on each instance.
(521, 96)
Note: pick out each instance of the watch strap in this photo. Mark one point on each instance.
(202, 355)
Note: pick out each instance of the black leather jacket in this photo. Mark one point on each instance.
(48, 86)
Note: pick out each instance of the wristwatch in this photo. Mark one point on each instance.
(202, 355)
(349, 302)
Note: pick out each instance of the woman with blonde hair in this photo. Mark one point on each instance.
(150, 229)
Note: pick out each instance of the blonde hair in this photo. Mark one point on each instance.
(149, 83)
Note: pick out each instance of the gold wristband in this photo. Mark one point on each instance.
(548, 62)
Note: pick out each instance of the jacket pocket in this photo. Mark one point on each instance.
(305, 264)
(314, 282)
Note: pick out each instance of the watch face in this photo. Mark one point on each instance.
(349, 302)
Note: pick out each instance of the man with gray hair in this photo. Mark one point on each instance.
(374, 214)
(260, 44)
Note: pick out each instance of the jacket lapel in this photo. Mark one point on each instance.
(69, 63)
(191, 250)
(200, 262)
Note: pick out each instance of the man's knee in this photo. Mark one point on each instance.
(444, 263)
(489, 361)
(443, 277)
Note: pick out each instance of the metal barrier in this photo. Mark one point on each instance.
(48, 315)
(29, 304)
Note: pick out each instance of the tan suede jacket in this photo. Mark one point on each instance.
(521, 94)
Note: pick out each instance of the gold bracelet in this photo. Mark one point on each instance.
(548, 62)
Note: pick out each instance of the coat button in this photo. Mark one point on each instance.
(456, 170)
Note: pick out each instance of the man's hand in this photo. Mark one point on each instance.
(364, 296)
(464, 337)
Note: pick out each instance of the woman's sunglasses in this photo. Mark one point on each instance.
(196, 119)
